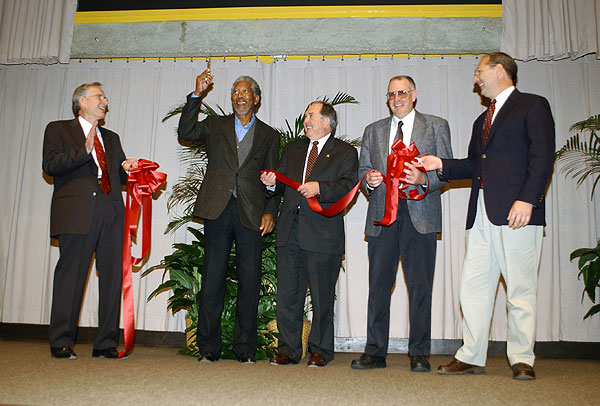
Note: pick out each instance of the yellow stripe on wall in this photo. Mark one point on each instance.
(295, 12)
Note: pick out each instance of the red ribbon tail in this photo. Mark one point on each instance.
(391, 202)
(141, 183)
(128, 315)
(313, 203)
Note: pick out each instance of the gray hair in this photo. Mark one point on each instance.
(411, 82)
(253, 84)
(81, 90)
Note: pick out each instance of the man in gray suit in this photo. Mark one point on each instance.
(412, 236)
(232, 203)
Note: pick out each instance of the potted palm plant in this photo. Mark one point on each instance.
(182, 268)
(581, 159)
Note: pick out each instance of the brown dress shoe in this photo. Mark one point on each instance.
(456, 367)
(316, 360)
(282, 359)
(523, 372)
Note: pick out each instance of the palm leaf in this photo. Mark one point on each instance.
(581, 159)
(204, 109)
(341, 98)
(591, 124)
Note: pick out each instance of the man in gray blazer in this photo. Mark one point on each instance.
(232, 204)
(413, 236)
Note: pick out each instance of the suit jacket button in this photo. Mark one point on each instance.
(483, 156)
(93, 193)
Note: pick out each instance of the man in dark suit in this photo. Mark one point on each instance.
(510, 162)
(232, 204)
(310, 245)
(87, 215)
(413, 236)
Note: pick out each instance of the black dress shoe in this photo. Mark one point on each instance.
(208, 357)
(247, 358)
(110, 352)
(367, 361)
(419, 363)
(63, 352)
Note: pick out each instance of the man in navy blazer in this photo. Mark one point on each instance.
(310, 245)
(231, 201)
(509, 162)
(86, 218)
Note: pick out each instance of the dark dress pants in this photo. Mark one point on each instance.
(417, 252)
(219, 235)
(295, 269)
(105, 238)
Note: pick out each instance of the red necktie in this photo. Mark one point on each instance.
(312, 158)
(104, 181)
(487, 123)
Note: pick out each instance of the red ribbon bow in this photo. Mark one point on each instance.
(141, 183)
(395, 180)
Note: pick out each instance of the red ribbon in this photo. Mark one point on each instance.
(395, 180)
(141, 183)
(314, 204)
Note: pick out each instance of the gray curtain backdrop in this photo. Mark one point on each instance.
(550, 29)
(140, 95)
(36, 31)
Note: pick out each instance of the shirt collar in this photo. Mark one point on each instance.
(321, 141)
(238, 123)
(503, 96)
(408, 120)
(86, 126)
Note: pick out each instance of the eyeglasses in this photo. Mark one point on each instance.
(99, 96)
(403, 94)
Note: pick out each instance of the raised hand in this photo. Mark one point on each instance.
(89, 138)
(203, 81)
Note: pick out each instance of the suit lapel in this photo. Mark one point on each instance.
(504, 112)
(418, 131)
(230, 136)
(257, 141)
(297, 168)
(383, 142)
(323, 159)
(77, 132)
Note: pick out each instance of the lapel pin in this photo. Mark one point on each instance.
(327, 156)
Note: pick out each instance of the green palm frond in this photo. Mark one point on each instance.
(204, 109)
(581, 159)
(341, 98)
(591, 124)
(209, 111)
(173, 112)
